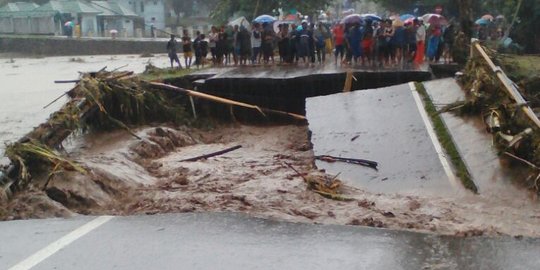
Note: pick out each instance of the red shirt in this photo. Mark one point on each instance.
(339, 35)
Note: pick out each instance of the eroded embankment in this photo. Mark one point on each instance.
(128, 176)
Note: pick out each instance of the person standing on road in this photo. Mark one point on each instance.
(339, 38)
(256, 42)
(171, 50)
(187, 47)
(213, 38)
(410, 33)
(420, 41)
(244, 41)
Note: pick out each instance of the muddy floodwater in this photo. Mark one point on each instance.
(130, 176)
(27, 85)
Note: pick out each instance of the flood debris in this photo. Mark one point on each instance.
(206, 156)
(362, 162)
(509, 112)
(135, 170)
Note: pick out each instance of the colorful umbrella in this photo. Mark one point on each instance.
(434, 19)
(488, 17)
(409, 21)
(265, 19)
(353, 18)
(69, 23)
(371, 17)
(482, 21)
(405, 17)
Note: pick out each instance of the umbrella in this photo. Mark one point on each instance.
(434, 19)
(265, 19)
(242, 21)
(69, 23)
(353, 18)
(372, 17)
(348, 11)
(409, 21)
(488, 17)
(405, 17)
(482, 21)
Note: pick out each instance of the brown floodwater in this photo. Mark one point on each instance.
(27, 85)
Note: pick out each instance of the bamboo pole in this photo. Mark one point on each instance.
(225, 100)
(348, 82)
(509, 86)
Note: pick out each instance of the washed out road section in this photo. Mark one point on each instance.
(383, 125)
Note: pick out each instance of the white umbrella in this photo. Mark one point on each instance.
(242, 21)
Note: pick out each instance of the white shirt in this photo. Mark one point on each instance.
(421, 33)
(255, 42)
(213, 37)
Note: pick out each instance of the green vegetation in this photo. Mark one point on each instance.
(446, 140)
(153, 73)
(522, 66)
(225, 9)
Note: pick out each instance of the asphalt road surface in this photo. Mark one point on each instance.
(234, 241)
(388, 125)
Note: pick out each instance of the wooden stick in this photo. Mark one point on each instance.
(221, 152)
(224, 100)
(297, 172)
(363, 162)
(522, 160)
(348, 82)
(67, 81)
(509, 86)
(55, 100)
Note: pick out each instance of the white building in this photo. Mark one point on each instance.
(115, 16)
(153, 12)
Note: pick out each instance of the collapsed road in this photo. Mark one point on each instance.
(149, 173)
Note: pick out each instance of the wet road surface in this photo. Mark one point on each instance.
(382, 125)
(490, 173)
(233, 241)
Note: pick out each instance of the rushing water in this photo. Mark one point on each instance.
(27, 85)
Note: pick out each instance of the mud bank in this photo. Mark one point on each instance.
(129, 176)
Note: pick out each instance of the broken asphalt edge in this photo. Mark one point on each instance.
(445, 138)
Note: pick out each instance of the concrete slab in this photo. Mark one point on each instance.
(383, 125)
(474, 143)
(234, 241)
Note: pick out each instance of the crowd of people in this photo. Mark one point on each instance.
(384, 43)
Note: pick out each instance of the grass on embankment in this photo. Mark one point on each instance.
(163, 74)
(446, 140)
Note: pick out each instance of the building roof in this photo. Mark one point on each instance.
(22, 9)
(112, 9)
(70, 6)
(18, 6)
